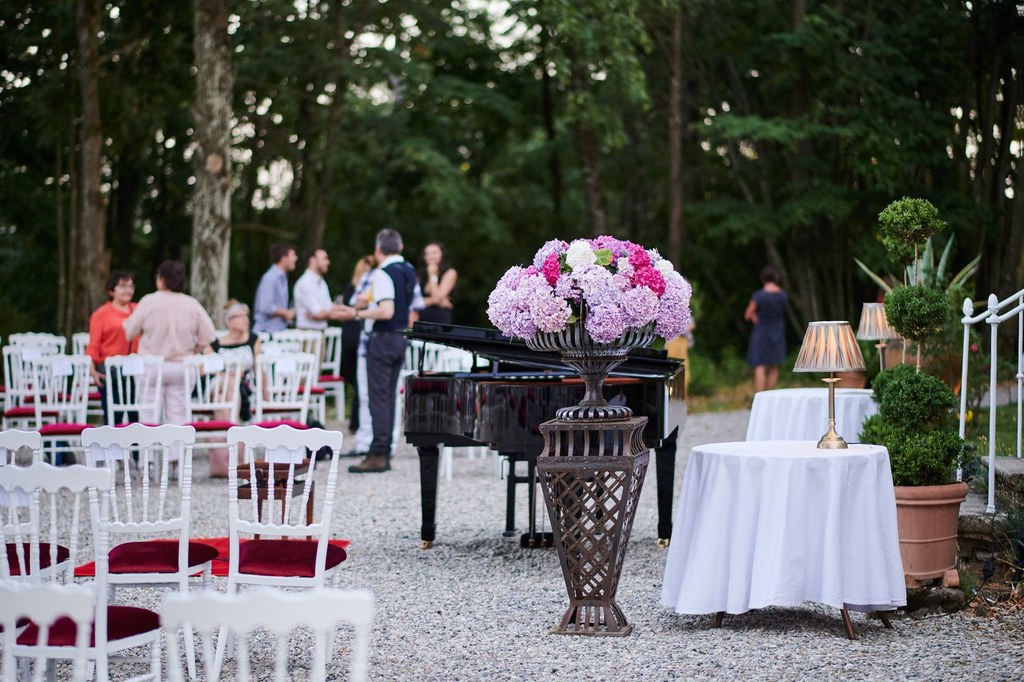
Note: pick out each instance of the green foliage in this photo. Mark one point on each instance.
(907, 223)
(708, 376)
(917, 312)
(914, 422)
(914, 400)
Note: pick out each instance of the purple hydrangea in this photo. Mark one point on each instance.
(605, 323)
(639, 306)
(674, 309)
(555, 246)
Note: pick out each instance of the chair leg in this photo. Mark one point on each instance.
(190, 651)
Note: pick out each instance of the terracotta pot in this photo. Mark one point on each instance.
(927, 518)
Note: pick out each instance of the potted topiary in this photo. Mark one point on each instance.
(916, 419)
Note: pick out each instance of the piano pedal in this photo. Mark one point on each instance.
(536, 540)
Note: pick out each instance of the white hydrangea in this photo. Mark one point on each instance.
(664, 266)
(622, 266)
(579, 254)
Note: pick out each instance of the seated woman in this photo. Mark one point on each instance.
(239, 335)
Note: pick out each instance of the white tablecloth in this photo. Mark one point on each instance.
(802, 413)
(782, 523)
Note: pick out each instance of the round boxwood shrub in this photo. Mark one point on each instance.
(905, 223)
(916, 457)
(916, 312)
(916, 401)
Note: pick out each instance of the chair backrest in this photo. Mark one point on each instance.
(46, 343)
(18, 362)
(12, 441)
(282, 384)
(331, 364)
(44, 605)
(79, 342)
(60, 388)
(138, 507)
(309, 340)
(280, 454)
(280, 613)
(46, 536)
(134, 384)
(212, 383)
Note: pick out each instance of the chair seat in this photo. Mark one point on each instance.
(330, 379)
(212, 425)
(122, 622)
(25, 411)
(317, 390)
(94, 395)
(44, 555)
(63, 429)
(281, 422)
(158, 556)
(284, 558)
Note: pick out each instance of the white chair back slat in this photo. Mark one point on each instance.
(308, 340)
(331, 363)
(282, 385)
(139, 507)
(44, 605)
(44, 342)
(281, 614)
(79, 342)
(134, 387)
(60, 388)
(212, 383)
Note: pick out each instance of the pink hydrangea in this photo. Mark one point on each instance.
(647, 276)
(551, 268)
(638, 256)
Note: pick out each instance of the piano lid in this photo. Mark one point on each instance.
(495, 346)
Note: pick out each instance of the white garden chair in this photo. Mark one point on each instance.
(48, 344)
(281, 469)
(212, 384)
(57, 495)
(308, 341)
(282, 387)
(60, 393)
(280, 613)
(134, 388)
(150, 525)
(330, 378)
(45, 605)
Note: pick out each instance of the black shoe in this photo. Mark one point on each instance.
(353, 453)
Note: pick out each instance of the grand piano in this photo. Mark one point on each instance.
(502, 403)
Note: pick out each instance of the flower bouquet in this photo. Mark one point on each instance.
(592, 300)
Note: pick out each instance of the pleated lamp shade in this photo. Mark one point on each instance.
(874, 326)
(829, 347)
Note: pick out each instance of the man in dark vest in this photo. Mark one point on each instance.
(392, 284)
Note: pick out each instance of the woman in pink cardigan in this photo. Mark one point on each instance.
(172, 325)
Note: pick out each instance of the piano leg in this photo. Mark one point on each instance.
(665, 469)
(429, 457)
(510, 494)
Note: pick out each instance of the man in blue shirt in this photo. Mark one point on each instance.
(270, 310)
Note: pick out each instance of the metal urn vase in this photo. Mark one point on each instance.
(592, 471)
(593, 361)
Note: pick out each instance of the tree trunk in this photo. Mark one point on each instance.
(211, 212)
(675, 140)
(589, 149)
(92, 258)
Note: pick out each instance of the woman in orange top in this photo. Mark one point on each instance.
(106, 333)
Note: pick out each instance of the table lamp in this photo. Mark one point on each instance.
(874, 326)
(830, 347)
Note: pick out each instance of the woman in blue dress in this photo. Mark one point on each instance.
(767, 310)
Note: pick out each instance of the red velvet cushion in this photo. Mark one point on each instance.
(122, 622)
(281, 422)
(63, 429)
(94, 395)
(20, 412)
(317, 390)
(212, 425)
(331, 379)
(160, 556)
(284, 558)
(44, 555)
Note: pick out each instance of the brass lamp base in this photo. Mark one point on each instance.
(831, 440)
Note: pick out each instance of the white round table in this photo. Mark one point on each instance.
(802, 413)
(782, 523)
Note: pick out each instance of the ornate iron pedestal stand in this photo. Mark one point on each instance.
(591, 473)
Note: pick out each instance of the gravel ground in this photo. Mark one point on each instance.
(477, 606)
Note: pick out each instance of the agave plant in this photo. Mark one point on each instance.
(928, 272)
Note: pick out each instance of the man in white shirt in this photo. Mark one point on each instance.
(313, 302)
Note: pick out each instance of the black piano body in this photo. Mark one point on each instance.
(501, 405)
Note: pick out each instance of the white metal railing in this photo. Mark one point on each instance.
(994, 315)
